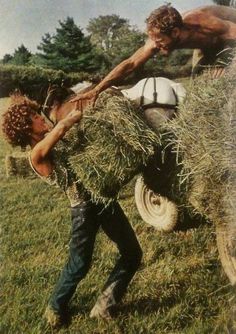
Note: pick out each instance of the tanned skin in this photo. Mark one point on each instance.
(42, 145)
(203, 28)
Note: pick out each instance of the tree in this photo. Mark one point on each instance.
(6, 58)
(128, 40)
(114, 38)
(21, 56)
(105, 29)
(68, 50)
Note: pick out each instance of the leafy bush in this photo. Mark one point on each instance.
(31, 79)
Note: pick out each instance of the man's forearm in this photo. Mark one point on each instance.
(42, 148)
(119, 72)
(73, 117)
(127, 66)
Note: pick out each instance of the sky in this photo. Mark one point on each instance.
(26, 21)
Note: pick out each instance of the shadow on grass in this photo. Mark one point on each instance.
(76, 309)
(143, 306)
(188, 221)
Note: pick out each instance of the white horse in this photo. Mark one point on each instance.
(159, 98)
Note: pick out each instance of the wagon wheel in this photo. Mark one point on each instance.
(226, 243)
(154, 209)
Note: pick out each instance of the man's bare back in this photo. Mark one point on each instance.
(205, 23)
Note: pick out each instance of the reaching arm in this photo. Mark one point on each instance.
(125, 68)
(120, 71)
(43, 148)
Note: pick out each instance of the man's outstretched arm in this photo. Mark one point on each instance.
(120, 71)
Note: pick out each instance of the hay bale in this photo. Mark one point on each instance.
(114, 144)
(17, 164)
(203, 139)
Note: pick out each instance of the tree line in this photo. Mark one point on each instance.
(110, 40)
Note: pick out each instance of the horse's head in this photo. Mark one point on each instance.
(51, 98)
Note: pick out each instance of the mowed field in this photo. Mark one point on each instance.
(180, 287)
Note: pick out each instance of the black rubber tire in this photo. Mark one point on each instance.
(154, 209)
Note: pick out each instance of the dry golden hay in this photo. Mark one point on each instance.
(114, 145)
(203, 136)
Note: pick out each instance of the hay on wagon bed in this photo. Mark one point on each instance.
(114, 144)
(204, 140)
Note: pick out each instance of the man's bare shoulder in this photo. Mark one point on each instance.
(193, 14)
(203, 12)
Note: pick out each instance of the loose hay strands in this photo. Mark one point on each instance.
(203, 137)
(116, 145)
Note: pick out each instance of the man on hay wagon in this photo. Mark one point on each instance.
(211, 30)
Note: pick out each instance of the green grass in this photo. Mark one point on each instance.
(180, 287)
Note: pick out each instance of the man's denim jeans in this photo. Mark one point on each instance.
(86, 220)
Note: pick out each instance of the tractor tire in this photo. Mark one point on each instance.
(154, 209)
(226, 243)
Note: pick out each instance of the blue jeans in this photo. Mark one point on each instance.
(86, 220)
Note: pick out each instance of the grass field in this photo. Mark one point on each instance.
(180, 287)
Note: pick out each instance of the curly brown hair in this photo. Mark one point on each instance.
(165, 18)
(16, 121)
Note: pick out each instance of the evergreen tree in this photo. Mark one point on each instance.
(6, 58)
(21, 56)
(69, 49)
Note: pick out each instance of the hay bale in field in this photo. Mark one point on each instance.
(203, 139)
(17, 164)
(114, 143)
